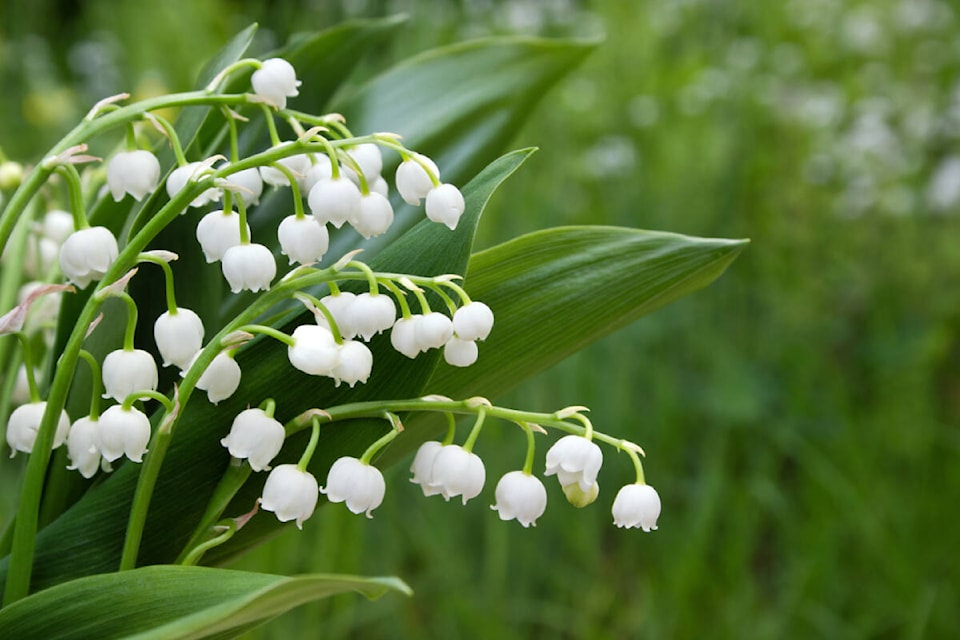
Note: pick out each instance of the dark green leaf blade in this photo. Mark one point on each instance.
(173, 602)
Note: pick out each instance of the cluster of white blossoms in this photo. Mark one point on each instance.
(339, 179)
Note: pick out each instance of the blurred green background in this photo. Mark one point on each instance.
(800, 416)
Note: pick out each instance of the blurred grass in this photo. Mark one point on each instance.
(800, 416)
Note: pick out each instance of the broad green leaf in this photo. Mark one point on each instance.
(173, 602)
(88, 537)
(553, 292)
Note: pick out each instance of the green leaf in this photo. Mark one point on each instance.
(553, 292)
(173, 602)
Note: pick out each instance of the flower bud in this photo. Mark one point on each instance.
(124, 432)
(125, 372)
(460, 353)
(355, 361)
(445, 205)
(413, 182)
(314, 350)
(275, 81)
(521, 496)
(134, 172)
(11, 175)
(374, 215)
(580, 498)
(248, 266)
(369, 158)
(433, 330)
(358, 484)
(370, 314)
(290, 493)
(24, 422)
(473, 321)
(320, 169)
(336, 201)
(303, 240)
(87, 254)
(338, 304)
(218, 231)
(256, 437)
(403, 336)
(457, 472)
(637, 505)
(83, 446)
(574, 459)
(220, 379)
(179, 336)
(423, 465)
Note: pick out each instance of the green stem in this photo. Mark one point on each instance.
(271, 125)
(294, 189)
(399, 296)
(269, 331)
(384, 440)
(172, 136)
(268, 406)
(27, 356)
(131, 137)
(367, 271)
(232, 129)
(451, 429)
(131, 321)
(96, 384)
(197, 553)
(460, 291)
(239, 64)
(322, 308)
(167, 279)
(447, 300)
(475, 432)
(531, 448)
(311, 446)
(75, 191)
(242, 212)
(636, 465)
(147, 393)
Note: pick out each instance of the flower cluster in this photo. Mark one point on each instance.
(337, 182)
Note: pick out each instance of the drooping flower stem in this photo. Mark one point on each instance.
(27, 356)
(475, 432)
(531, 448)
(242, 210)
(131, 321)
(75, 192)
(276, 334)
(636, 464)
(294, 190)
(384, 440)
(271, 125)
(153, 395)
(311, 446)
(229, 526)
(167, 279)
(96, 384)
(172, 136)
(367, 271)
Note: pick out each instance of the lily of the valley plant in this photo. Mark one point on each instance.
(214, 323)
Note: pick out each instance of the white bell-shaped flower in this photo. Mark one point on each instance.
(275, 81)
(220, 379)
(574, 459)
(359, 485)
(290, 493)
(473, 321)
(355, 361)
(521, 496)
(336, 201)
(403, 336)
(134, 172)
(433, 330)
(21, 386)
(379, 185)
(637, 505)
(370, 314)
(374, 215)
(314, 350)
(339, 304)
(246, 184)
(87, 254)
(24, 422)
(369, 158)
(255, 437)
(298, 164)
(179, 336)
(218, 231)
(413, 182)
(125, 372)
(83, 446)
(248, 266)
(423, 465)
(191, 172)
(57, 225)
(303, 240)
(445, 205)
(460, 353)
(457, 472)
(124, 432)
